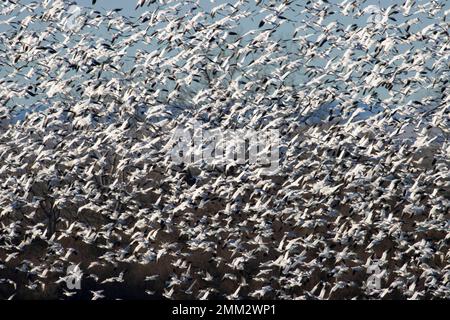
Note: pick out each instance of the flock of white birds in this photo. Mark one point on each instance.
(89, 100)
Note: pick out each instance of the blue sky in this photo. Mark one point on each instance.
(286, 30)
(128, 9)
